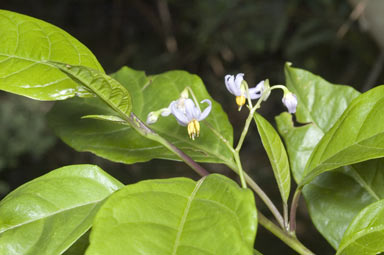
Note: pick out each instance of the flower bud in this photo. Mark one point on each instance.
(290, 101)
(152, 117)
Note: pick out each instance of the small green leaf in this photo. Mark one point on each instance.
(26, 46)
(276, 154)
(121, 143)
(365, 234)
(48, 214)
(357, 136)
(105, 87)
(177, 216)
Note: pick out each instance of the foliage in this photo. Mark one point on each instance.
(335, 155)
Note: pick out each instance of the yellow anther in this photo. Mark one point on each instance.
(240, 101)
(193, 129)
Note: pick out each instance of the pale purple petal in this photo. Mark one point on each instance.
(290, 101)
(238, 80)
(206, 111)
(179, 114)
(190, 110)
(233, 84)
(230, 83)
(255, 93)
(167, 111)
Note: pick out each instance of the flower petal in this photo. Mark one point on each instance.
(290, 101)
(179, 114)
(255, 93)
(239, 79)
(230, 83)
(206, 111)
(166, 111)
(191, 110)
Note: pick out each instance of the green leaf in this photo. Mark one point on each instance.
(335, 198)
(276, 154)
(121, 143)
(365, 234)
(48, 214)
(357, 136)
(176, 216)
(320, 105)
(26, 46)
(329, 193)
(110, 91)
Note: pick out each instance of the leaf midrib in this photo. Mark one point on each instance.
(278, 158)
(50, 215)
(361, 234)
(363, 183)
(185, 215)
(311, 173)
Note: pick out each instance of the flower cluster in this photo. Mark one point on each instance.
(187, 111)
(239, 88)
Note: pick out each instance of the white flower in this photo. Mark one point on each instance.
(188, 114)
(237, 88)
(290, 101)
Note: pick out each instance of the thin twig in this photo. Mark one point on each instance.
(144, 130)
(291, 241)
(295, 203)
(267, 201)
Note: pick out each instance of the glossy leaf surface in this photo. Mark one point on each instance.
(365, 235)
(110, 91)
(48, 214)
(276, 154)
(176, 216)
(27, 44)
(121, 143)
(355, 137)
(320, 104)
(329, 193)
(334, 198)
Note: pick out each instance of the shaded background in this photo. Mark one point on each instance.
(212, 38)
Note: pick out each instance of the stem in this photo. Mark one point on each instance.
(240, 170)
(285, 213)
(252, 111)
(236, 155)
(267, 201)
(295, 203)
(245, 130)
(140, 127)
(289, 240)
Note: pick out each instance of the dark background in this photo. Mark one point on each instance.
(208, 38)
